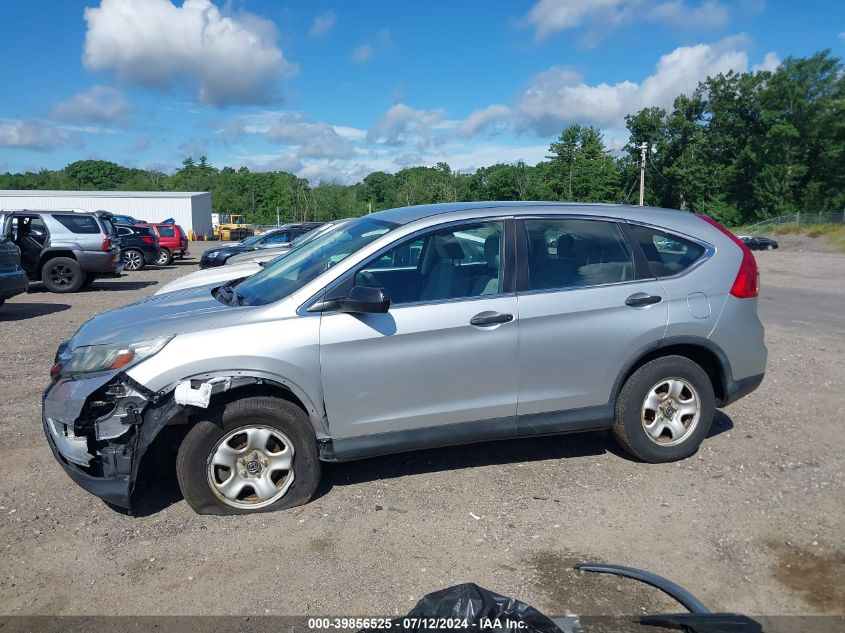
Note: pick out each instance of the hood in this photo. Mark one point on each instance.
(210, 277)
(173, 313)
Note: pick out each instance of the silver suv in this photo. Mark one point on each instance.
(415, 328)
(66, 249)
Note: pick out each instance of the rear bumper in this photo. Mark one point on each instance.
(151, 256)
(736, 389)
(13, 283)
(100, 261)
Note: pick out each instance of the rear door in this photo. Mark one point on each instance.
(445, 352)
(585, 308)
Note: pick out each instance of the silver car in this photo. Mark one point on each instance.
(415, 328)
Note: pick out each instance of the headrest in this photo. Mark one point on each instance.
(564, 246)
(448, 247)
(491, 250)
(580, 251)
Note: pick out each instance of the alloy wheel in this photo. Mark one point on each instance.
(671, 411)
(132, 260)
(251, 467)
(61, 275)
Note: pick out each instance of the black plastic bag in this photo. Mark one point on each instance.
(468, 607)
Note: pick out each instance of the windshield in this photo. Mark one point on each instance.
(288, 274)
(253, 239)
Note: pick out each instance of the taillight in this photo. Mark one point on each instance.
(148, 240)
(106, 243)
(747, 282)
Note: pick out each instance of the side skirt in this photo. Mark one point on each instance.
(554, 423)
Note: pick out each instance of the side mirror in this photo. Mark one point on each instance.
(365, 299)
(361, 299)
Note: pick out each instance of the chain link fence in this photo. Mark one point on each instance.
(798, 219)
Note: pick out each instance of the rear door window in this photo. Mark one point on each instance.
(166, 231)
(80, 224)
(573, 253)
(667, 254)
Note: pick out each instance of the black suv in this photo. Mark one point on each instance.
(65, 249)
(218, 255)
(13, 280)
(138, 245)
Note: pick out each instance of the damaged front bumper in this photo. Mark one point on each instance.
(99, 428)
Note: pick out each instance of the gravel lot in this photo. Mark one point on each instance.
(754, 523)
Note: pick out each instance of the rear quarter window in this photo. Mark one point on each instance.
(166, 231)
(667, 254)
(86, 224)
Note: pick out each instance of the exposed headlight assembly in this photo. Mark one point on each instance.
(89, 359)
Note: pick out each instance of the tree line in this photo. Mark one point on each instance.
(742, 147)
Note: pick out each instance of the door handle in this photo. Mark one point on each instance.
(641, 299)
(486, 318)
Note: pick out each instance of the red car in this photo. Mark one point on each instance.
(172, 240)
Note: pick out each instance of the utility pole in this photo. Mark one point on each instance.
(277, 217)
(643, 150)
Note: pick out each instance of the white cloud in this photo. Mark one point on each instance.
(362, 53)
(366, 51)
(154, 43)
(770, 63)
(559, 96)
(31, 134)
(708, 15)
(484, 119)
(322, 24)
(548, 17)
(315, 140)
(97, 104)
(403, 124)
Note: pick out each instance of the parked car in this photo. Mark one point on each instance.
(758, 243)
(244, 264)
(138, 245)
(172, 241)
(13, 279)
(125, 219)
(280, 237)
(66, 249)
(381, 336)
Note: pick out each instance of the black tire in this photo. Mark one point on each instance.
(628, 426)
(90, 278)
(2, 301)
(133, 259)
(62, 274)
(195, 452)
(165, 258)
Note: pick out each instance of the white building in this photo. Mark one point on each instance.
(191, 210)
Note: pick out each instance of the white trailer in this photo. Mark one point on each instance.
(191, 210)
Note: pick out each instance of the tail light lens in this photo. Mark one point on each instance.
(148, 240)
(106, 243)
(747, 282)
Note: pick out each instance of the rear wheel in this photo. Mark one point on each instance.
(133, 259)
(664, 410)
(90, 278)
(62, 274)
(259, 455)
(165, 258)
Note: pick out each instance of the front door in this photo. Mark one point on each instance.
(443, 355)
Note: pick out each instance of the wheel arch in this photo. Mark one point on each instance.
(706, 354)
(47, 255)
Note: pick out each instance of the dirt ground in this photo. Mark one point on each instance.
(754, 523)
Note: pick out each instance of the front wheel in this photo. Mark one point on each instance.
(165, 258)
(259, 455)
(665, 410)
